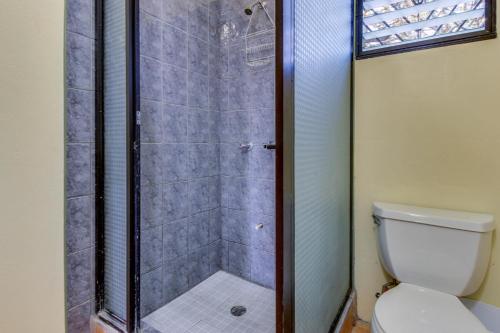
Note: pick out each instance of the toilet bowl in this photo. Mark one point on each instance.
(412, 309)
(437, 255)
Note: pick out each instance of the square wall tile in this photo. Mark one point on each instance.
(215, 225)
(236, 226)
(176, 201)
(80, 110)
(150, 35)
(175, 12)
(151, 248)
(236, 192)
(78, 280)
(262, 163)
(263, 268)
(176, 158)
(234, 160)
(198, 55)
(174, 85)
(175, 277)
(199, 266)
(235, 127)
(198, 90)
(198, 20)
(175, 123)
(151, 79)
(151, 164)
(79, 223)
(264, 238)
(204, 194)
(78, 170)
(240, 260)
(262, 196)
(79, 318)
(152, 7)
(80, 17)
(263, 125)
(151, 121)
(175, 46)
(151, 292)
(218, 94)
(198, 126)
(203, 160)
(151, 206)
(175, 239)
(199, 231)
(79, 54)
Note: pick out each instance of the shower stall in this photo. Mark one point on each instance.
(207, 178)
(222, 164)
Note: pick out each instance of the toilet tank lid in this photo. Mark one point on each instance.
(437, 217)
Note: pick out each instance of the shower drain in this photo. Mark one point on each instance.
(238, 310)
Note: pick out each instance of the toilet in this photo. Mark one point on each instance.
(437, 256)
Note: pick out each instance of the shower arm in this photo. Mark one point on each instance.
(249, 8)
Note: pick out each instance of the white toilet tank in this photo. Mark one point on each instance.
(443, 250)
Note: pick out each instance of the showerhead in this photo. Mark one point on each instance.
(249, 9)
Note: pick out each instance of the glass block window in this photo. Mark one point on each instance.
(389, 26)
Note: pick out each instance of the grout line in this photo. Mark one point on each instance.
(80, 34)
(86, 248)
(81, 304)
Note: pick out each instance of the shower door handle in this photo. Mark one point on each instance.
(269, 146)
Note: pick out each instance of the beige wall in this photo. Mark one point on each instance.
(427, 132)
(31, 167)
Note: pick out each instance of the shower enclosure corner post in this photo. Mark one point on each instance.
(99, 157)
(134, 171)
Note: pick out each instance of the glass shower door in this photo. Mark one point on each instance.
(322, 110)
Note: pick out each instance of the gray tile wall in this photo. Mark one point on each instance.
(201, 195)
(246, 100)
(79, 164)
(180, 180)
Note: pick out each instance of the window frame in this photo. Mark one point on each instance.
(489, 33)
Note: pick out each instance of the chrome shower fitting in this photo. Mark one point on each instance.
(249, 9)
(246, 146)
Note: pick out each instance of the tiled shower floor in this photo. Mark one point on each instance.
(206, 308)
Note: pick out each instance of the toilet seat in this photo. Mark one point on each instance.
(412, 309)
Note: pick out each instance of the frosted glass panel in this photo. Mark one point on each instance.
(115, 158)
(322, 161)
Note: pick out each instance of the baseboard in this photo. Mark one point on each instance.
(488, 314)
(348, 316)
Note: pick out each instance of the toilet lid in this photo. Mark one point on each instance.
(412, 309)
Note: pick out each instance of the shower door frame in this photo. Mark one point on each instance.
(285, 279)
(130, 323)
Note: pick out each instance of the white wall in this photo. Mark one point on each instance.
(32, 166)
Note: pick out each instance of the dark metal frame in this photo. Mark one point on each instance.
(134, 147)
(99, 157)
(133, 170)
(285, 192)
(489, 33)
(285, 181)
